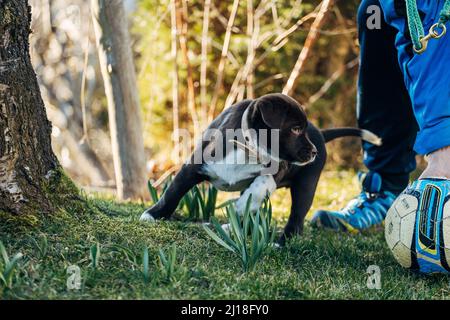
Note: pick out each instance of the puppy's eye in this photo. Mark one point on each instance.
(296, 130)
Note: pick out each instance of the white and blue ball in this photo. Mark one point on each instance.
(417, 227)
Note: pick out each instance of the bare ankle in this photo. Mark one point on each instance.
(438, 164)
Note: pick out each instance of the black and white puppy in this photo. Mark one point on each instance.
(250, 165)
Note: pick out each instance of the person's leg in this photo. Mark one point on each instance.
(438, 165)
(427, 77)
(384, 107)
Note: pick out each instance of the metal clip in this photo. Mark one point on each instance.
(433, 34)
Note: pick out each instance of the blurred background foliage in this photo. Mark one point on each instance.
(63, 50)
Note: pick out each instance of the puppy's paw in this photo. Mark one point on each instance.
(241, 205)
(275, 245)
(281, 241)
(147, 217)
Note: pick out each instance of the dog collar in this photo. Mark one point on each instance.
(250, 144)
(253, 148)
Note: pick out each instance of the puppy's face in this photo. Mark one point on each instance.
(277, 111)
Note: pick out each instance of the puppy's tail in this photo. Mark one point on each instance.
(366, 135)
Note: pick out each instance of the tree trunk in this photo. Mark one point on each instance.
(26, 156)
(116, 60)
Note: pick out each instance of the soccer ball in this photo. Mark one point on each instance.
(417, 227)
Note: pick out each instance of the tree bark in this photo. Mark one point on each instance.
(26, 156)
(119, 77)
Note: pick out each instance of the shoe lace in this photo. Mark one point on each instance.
(371, 192)
(365, 199)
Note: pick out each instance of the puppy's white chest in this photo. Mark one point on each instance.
(233, 173)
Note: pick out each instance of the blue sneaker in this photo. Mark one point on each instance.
(367, 210)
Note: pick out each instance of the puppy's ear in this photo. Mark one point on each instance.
(272, 115)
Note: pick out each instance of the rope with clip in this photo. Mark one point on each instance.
(437, 30)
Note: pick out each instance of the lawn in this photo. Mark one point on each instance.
(318, 265)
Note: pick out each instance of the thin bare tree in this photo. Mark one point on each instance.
(175, 76)
(330, 81)
(223, 60)
(245, 77)
(285, 34)
(204, 61)
(183, 38)
(251, 49)
(118, 71)
(72, 126)
(309, 43)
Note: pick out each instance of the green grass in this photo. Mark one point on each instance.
(119, 258)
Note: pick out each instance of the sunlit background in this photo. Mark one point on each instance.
(263, 41)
